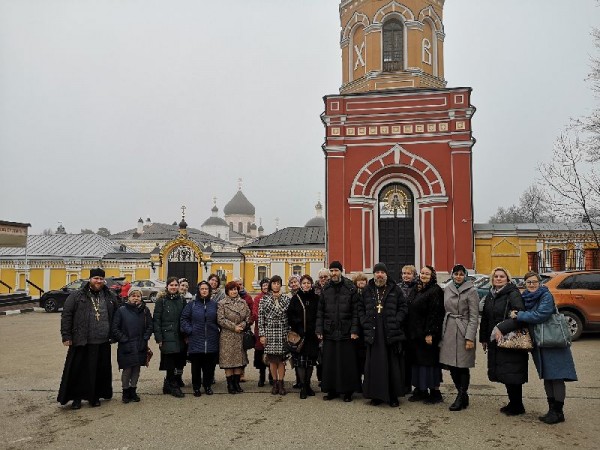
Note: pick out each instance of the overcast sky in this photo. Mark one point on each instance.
(115, 109)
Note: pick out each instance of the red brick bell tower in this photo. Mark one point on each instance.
(398, 143)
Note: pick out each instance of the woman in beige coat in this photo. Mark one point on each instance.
(457, 348)
(233, 316)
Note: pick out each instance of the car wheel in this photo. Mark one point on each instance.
(575, 324)
(50, 305)
(152, 297)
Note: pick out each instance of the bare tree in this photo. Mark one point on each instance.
(572, 182)
(532, 208)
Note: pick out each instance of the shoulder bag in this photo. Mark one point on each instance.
(553, 333)
(520, 339)
(294, 341)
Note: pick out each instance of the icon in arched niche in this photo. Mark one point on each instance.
(395, 201)
(183, 253)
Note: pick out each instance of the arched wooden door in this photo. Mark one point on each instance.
(396, 228)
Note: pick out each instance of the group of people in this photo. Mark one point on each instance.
(379, 337)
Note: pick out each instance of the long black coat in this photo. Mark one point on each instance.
(504, 366)
(167, 323)
(74, 321)
(337, 316)
(425, 318)
(295, 315)
(395, 311)
(132, 328)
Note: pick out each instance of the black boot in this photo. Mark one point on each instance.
(261, 379)
(179, 378)
(166, 386)
(230, 385)
(76, 404)
(435, 396)
(197, 392)
(550, 406)
(236, 384)
(133, 395)
(459, 402)
(309, 390)
(555, 415)
(176, 390)
(126, 397)
(418, 395)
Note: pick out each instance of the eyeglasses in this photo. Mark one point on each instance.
(532, 283)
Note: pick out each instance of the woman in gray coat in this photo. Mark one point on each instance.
(457, 349)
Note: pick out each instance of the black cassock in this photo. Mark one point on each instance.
(384, 367)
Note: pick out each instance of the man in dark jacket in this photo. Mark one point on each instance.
(337, 326)
(382, 312)
(85, 327)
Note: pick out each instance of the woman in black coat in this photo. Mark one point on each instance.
(505, 366)
(425, 319)
(132, 329)
(302, 318)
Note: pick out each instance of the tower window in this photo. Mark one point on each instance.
(393, 46)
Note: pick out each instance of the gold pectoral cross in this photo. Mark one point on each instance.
(379, 308)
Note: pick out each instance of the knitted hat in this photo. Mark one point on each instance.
(380, 267)
(336, 265)
(133, 289)
(98, 272)
(458, 268)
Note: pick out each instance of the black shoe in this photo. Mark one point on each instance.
(76, 404)
(550, 406)
(176, 391)
(418, 396)
(435, 396)
(515, 410)
(126, 397)
(166, 387)
(556, 414)
(133, 394)
(95, 403)
(375, 402)
(303, 393)
(331, 396)
(347, 398)
(208, 390)
(197, 393)
(394, 403)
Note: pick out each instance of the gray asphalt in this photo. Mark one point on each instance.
(32, 358)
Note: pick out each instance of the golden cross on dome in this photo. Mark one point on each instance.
(183, 208)
(215, 200)
(239, 184)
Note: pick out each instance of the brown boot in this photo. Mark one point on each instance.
(282, 390)
(275, 388)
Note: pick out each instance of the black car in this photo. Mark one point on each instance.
(54, 300)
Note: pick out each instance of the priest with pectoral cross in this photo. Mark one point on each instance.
(85, 327)
(382, 313)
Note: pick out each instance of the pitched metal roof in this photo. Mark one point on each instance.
(291, 236)
(66, 245)
(574, 226)
(165, 232)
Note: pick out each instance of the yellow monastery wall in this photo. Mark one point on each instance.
(8, 276)
(505, 251)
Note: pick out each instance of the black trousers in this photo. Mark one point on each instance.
(203, 368)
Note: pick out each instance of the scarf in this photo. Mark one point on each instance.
(531, 298)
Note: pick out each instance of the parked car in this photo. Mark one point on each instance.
(150, 288)
(577, 296)
(54, 300)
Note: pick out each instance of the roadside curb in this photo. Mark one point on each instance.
(12, 312)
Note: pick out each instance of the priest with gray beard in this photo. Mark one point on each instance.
(382, 311)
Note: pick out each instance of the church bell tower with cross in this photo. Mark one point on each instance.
(398, 143)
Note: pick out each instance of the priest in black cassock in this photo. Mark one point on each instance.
(85, 327)
(382, 310)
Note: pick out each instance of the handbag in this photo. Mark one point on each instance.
(248, 339)
(149, 354)
(519, 339)
(294, 341)
(553, 333)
